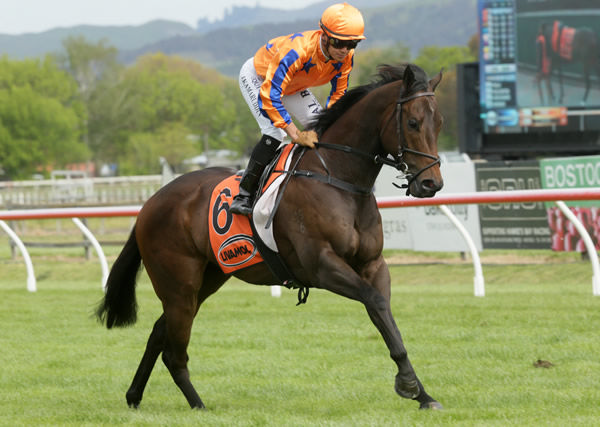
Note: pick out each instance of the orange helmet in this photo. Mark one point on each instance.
(344, 22)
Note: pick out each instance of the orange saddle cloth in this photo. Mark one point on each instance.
(230, 234)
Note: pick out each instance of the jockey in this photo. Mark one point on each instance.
(543, 60)
(276, 81)
(544, 63)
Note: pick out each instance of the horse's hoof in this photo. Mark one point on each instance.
(198, 406)
(434, 406)
(409, 390)
(133, 401)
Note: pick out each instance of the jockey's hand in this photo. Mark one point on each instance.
(307, 138)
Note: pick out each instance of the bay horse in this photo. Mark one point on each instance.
(567, 45)
(330, 236)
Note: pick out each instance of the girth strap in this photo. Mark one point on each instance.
(278, 267)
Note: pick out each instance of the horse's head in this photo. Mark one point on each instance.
(413, 141)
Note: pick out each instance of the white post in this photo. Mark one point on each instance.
(96, 246)
(478, 282)
(31, 284)
(589, 245)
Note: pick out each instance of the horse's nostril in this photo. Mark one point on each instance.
(430, 185)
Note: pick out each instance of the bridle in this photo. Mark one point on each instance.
(399, 162)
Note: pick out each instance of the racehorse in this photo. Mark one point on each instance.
(329, 234)
(572, 45)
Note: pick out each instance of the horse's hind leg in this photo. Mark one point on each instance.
(179, 312)
(586, 77)
(154, 347)
(180, 309)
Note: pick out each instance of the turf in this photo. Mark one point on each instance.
(258, 360)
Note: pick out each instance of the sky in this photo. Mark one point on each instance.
(34, 16)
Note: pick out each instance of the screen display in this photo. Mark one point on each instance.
(539, 65)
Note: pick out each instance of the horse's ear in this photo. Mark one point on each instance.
(436, 80)
(408, 79)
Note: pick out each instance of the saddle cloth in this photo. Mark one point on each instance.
(562, 41)
(231, 236)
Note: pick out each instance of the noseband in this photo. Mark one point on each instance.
(399, 162)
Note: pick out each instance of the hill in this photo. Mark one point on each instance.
(122, 37)
(226, 44)
(241, 16)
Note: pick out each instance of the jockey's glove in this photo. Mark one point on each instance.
(307, 138)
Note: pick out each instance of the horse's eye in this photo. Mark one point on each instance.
(413, 124)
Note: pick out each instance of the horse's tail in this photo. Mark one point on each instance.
(119, 305)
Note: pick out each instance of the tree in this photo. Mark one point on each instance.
(366, 62)
(171, 141)
(96, 69)
(174, 100)
(89, 63)
(40, 116)
(221, 117)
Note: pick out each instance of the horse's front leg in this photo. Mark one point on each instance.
(373, 290)
(380, 313)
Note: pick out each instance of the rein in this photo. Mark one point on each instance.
(377, 159)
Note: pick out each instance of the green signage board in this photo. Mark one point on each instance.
(565, 173)
(571, 172)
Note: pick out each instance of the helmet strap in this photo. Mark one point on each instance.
(325, 46)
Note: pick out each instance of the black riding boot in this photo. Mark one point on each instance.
(262, 154)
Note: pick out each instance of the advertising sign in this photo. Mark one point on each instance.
(512, 225)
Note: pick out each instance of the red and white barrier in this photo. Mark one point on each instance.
(493, 197)
(549, 195)
(74, 214)
(51, 213)
(558, 196)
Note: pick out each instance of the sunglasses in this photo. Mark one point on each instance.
(340, 44)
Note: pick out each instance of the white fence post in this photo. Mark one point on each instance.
(90, 236)
(31, 284)
(478, 282)
(589, 245)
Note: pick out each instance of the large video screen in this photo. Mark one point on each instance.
(539, 65)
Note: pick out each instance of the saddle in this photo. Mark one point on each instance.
(562, 40)
(239, 242)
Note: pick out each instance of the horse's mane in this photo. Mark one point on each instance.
(385, 74)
